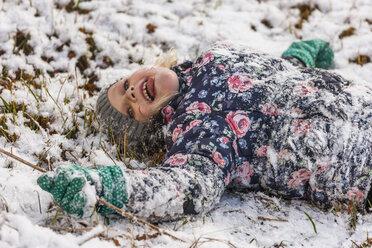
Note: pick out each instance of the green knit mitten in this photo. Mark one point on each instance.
(69, 187)
(314, 53)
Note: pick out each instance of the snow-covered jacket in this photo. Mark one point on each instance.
(243, 118)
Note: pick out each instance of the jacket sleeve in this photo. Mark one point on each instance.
(191, 179)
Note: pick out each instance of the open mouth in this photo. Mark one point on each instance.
(148, 89)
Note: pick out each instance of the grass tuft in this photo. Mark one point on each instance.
(74, 6)
(305, 12)
(361, 59)
(21, 43)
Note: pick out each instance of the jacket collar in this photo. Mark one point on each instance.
(184, 75)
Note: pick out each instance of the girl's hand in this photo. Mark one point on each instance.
(76, 189)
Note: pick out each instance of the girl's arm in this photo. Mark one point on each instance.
(192, 177)
(168, 193)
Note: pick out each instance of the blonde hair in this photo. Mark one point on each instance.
(167, 59)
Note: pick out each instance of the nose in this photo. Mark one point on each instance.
(130, 94)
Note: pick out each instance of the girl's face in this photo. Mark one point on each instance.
(141, 95)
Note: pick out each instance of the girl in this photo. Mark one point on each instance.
(234, 117)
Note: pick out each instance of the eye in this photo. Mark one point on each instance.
(126, 85)
(130, 113)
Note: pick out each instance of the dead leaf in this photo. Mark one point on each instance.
(348, 32)
(151, 28)
(116, 242)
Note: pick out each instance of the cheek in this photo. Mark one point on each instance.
(146, 110)
(169, 82)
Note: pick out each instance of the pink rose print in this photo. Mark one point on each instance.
(244, 173)
(354, 194)
(196, 107)
(206, 59)
(299, 178)
(217, 157)
(262, 151)
(177, 159)
(303, 89)
(224, 140)
(221, 67)
(295, 111)
(239, 122)
(177, 132)
(167, 112)
(188, 81)
(222, 46)
(235, 146)
(322, 166)
(227, 179)
(284, 154)
(239, 82)
(270, 109)
(302, 127)
(193, 124)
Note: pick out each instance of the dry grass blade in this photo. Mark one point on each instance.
(270, 219)
(311, 220)
(104, 150)
(91, 237)
(121, 233)
(70, 152)
(132, 217)
(36, 123)
(3, 205)
(22, 160)
(69, 229)
(147, 236)
(125, 143)
(352, 241)
(201, 242)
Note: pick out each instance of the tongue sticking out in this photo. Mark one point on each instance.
(151, 87)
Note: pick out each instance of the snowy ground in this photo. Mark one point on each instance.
(56, 55)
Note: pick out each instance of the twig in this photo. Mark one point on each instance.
(3, 204)
(118, 210)
(198, 241)
(91, 237)
(69, 228)
(22, 160)
(121, 233)
(130, 216)
(107, 154)
(69, 151)
(36, 123)
(355, 244)
(264, 218)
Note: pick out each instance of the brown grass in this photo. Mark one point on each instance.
(346, 33)
(361, 59)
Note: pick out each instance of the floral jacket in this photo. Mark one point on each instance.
(247, 119)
